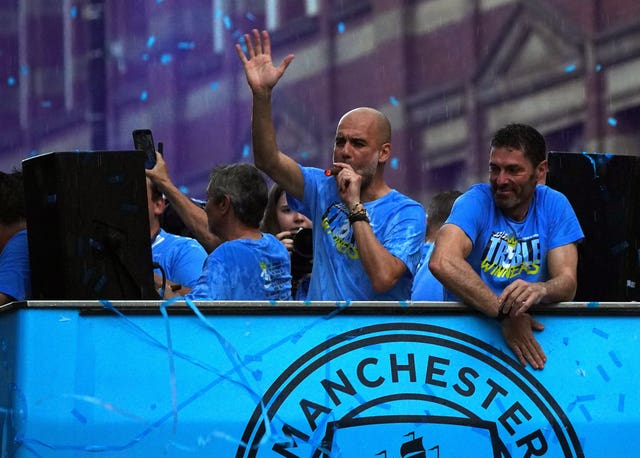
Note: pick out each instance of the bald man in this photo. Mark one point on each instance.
(367, 237)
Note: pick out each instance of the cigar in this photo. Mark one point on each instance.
(332, 171)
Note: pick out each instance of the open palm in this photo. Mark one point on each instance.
(261, 73)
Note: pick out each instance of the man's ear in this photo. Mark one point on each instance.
(224, 204)
(385, 153)
(541, 172)
(158, 206)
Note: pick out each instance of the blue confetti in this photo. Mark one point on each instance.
(184, 189)
(593, 305)
(24, 70)
(570, 68)
(186, 45)
(159, 1)
(603, 373)
(341, 27)
(250, 16)
(166, 58)
(214, 85)
(11, 81)
(81, 418)
(46, 104)
(227, 22)
(74, 12)
(586, 397)
(393, 101)
(615, 359)
(246, 149)
(598, 67)
(612, 121)
(404, 303)
(144, 95)
(304, 155)
(565, 341)
(600, 333)
(145, 56)
(257, 375)
(151, 41)
(585, 412)
(621, 403)
(395, 162)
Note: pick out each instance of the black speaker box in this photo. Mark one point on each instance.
(604, 190)
(88, 226)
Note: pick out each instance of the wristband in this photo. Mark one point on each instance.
(358, 213)
(501, 315)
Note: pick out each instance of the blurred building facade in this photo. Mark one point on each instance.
(79, 75)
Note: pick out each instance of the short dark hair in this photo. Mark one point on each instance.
(245, 186)
(12, 206)
(440, 206)
(524, 138)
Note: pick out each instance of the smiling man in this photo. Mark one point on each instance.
(367, 237)
(510, 244)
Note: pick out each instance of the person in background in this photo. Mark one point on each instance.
(180, 258)
(511, 244)
(248, 264)
(15, 273)
(426, 287)
(368, 237)
(286, 224)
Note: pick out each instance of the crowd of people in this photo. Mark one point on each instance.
(344, 234)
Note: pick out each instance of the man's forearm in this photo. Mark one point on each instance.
(263, 135)
(191, 215)
(459, 277)
(559, 289)
(382, 268)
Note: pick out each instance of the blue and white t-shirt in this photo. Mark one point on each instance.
(15, 272)
(396, 220)
(245, 269)
(182, 258)
(505, 250)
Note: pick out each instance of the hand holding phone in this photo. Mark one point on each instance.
(143, 140)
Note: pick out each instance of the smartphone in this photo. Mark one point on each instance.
(143, 140)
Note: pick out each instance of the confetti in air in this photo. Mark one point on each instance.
(341, 27)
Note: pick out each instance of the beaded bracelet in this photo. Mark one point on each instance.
(358, 213)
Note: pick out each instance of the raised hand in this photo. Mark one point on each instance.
(262, 75)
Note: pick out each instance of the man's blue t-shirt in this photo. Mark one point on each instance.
(182, 258)
(426, 287)
(245, 269)
(505, 250)
(397, 221)
(15, 273)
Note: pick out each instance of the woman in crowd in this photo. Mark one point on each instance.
(286, 225)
